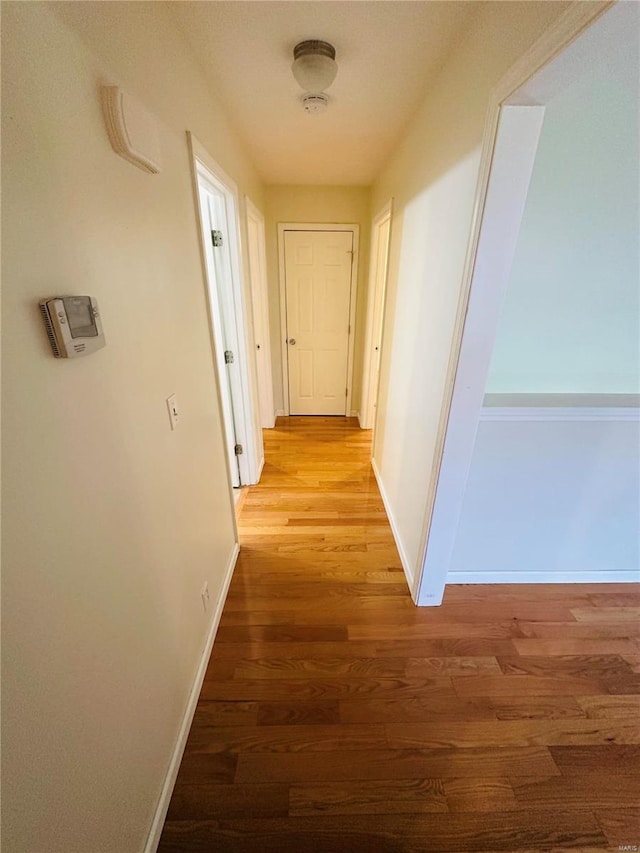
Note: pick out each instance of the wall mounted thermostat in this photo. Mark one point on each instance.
(73, 325)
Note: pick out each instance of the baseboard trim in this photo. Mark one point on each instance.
(240, 499)
(355, 414)
(614, 576)
(280, 413)
(157, 824)
(406, 565)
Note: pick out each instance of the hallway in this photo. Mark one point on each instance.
(335, 716)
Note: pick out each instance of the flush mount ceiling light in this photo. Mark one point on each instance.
(315, 68)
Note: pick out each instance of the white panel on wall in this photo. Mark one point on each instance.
(560, 497)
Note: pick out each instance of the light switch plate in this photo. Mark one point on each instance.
(172, 406)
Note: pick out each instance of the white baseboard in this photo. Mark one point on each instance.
(614, 576)
(360, 420)
(406, 565)
(157, 824)
(355, 414)
(280, 413)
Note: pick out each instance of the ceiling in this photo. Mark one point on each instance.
(387, 53)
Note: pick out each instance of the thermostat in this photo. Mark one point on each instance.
(73, 325)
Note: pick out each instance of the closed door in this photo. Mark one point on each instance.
(214, 221)
(381, 237)
(260, 305)
(318, 268)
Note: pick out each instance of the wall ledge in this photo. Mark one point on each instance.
(599, 576)
(561, 407)
(562, 400)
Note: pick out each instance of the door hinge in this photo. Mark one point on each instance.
(346, 392)
(238, 450)
(228, 357)
(216, 238)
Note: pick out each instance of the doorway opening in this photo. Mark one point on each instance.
(378, 268)
(562, 57)
(217, 209)
(318, 280)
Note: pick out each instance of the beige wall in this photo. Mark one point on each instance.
(316, 204)
(432, 178)
(112, 522)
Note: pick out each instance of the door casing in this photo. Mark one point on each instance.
(315, 226)
(376, 303)
(260, 309)
(204, 167)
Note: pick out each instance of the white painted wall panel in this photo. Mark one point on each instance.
(551, 496)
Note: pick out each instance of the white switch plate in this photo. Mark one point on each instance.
(174, 415)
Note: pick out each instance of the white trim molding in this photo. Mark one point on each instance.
(354, 228)
(614, 576)
(559, 413)
(206, 170)
(529, 406)
(404, 560)
(157, 824)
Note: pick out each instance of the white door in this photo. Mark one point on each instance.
(318, 268)
(260, 306)
(381, 249)
(215, 227)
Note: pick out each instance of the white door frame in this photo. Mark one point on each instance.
(509, 146)
(260, 306)
(206, 170)
(376, 300)
(316, 226)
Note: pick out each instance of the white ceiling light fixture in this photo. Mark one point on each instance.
(315, 68)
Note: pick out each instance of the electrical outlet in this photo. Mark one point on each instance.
(174, 415)
(204, 595)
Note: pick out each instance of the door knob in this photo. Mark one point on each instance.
(292, 341)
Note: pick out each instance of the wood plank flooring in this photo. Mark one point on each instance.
(338, 718)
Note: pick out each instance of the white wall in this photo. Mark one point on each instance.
(316, 204)
(432, 178)
(551, 499)
(570, 319)
(111, 521)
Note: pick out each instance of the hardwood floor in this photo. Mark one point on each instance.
(338, 718)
